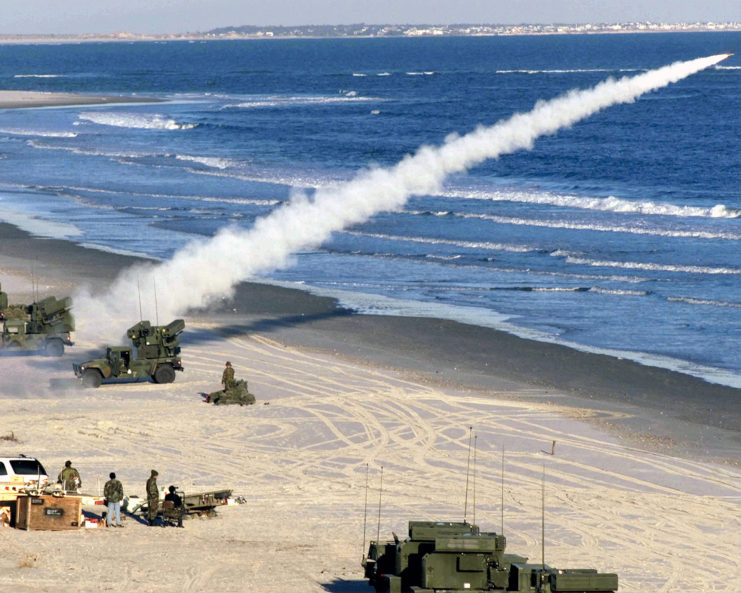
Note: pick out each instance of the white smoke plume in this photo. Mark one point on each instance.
(205, 270)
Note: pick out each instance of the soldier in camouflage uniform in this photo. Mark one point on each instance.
(113, 492)
(153, 497)
(227, 377)
(69, 478)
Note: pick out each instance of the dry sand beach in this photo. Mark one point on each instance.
(644, 481)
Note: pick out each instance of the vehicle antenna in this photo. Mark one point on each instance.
(33, 281)
(139, 290)
(502, 492)
(156, 308)
(474, 478)
(365, 510)
(468, 468)
(542, 520)
(380, 492)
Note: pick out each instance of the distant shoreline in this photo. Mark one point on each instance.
(375, 32)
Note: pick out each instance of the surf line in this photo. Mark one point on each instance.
(205, 270)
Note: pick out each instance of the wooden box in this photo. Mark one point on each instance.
(49, 513)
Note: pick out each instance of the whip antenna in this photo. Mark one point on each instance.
(502, 492)
(156, 308)
(380, 492)
(474, 478)
(365, 510)
(542, 519)
(139, 290)
(468, 468)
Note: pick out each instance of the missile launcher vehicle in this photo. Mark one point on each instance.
(154, 354)
(457, 557)
(43, 326)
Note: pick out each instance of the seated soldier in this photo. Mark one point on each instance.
(173, 506)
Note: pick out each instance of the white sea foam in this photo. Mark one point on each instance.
(41, 133)
(40, 227)
(464, 244)
(693, 301)
(560, 224)
(627, 265)
(215, 162)
(566, 70)
(87, 152)
(215, 199)
(610, 204)
(618, 292)
(280, 101)
(39, 75)
(121, 119)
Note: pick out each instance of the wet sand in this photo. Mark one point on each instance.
(23, 99)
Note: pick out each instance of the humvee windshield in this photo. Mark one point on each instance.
(27, 467)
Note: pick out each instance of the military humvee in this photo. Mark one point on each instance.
(155, 354)
(457, 557)
(43, 326)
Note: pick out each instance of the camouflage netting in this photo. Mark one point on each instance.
(16, 312)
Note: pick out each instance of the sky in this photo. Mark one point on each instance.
(19, 17)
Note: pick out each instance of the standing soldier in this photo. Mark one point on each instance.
(69, 478)
(113, 492)
(227, 377)
(153, 497)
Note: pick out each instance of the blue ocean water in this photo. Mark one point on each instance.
(620, 234)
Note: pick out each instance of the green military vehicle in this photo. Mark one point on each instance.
(43, 326)
(457, 557)
(236, 395)
(154, 354)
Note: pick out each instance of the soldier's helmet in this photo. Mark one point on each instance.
(228, 363)
(155, 473)
(67, 463)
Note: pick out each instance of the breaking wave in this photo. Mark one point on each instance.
(278, 101)
(555, 224)
(464, 244)
(38, 133)
(610, 204)
(134, 120)
(39, 76)
(215, 162)
(693, 301)
(572, 259)
(567, 70)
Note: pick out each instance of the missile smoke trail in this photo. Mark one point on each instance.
(206, 270)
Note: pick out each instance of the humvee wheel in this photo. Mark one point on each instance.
(92, 378)
(164, 374)
(54, 348)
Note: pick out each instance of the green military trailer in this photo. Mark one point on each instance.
(43, 326)
(457, 557)
(155, 355)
